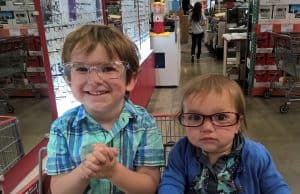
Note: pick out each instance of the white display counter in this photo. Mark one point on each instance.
(167, 51)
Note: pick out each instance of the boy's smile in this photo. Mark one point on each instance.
(101, 96)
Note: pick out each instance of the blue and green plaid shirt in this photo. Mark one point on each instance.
(135, 134)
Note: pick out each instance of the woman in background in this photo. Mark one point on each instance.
(196, 21)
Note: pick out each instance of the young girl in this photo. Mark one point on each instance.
(107, 144)
(196, 20)
(215, 157)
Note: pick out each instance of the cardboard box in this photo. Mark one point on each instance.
(184, 29)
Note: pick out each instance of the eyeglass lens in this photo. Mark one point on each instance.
(111, 70)
(218, 119)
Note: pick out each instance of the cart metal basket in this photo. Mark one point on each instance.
(286, 49)
(7, 71)
(171, 132)
(11, 148)
(26, 175)
(40, 183)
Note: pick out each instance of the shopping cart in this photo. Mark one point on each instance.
(11, 148)
(286, 50)
(11, 63)
(40, 183)
(6, 80)
(4, 103)
(171, 131)
(14, 56)
(27, 175)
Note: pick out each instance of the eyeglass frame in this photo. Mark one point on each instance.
(90, 67)
(238, 116)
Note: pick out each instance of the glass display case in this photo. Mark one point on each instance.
(59, 17)
(132, 18)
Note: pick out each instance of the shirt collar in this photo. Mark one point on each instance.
(128, 112)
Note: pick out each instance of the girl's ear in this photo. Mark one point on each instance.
(241, 123)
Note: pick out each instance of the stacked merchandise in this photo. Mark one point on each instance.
(23, 72)
(270, 17)
(184, 28)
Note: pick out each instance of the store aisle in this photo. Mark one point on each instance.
(280, 133)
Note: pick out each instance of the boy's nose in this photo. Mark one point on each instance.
(94, 76)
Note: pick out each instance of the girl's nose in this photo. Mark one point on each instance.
(207, 126)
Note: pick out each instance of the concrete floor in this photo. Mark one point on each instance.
(280, 133)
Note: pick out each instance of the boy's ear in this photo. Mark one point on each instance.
(66, 78)
(132, 82)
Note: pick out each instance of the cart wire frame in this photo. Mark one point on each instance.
(286, 50)
(11, 148)
(171, 132)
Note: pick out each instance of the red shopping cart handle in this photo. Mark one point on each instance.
(6, 119)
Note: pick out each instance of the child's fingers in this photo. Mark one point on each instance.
(113, 152)
(86, 171)
(101, 148)
(91, 158)
(102, 158)
(111, 156)
(91, 165)
(103, 153)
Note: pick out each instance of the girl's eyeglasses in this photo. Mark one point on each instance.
(222, 119)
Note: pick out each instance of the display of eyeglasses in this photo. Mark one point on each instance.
(132, 18)
(60, 17)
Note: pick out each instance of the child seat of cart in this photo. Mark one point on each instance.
(28, 175)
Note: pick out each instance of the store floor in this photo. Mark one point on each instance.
(280, 133)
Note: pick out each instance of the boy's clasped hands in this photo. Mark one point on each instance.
(100, 163)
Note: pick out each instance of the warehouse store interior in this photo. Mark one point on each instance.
(242, 49)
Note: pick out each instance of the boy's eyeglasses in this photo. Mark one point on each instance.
(222, 119)
(107, 70)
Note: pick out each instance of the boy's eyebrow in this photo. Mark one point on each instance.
(82, 62)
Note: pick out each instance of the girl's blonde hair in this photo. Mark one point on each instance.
(116, 44)
(207, 83)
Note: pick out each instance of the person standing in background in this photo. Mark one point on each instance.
(185, 6)
(196, 21)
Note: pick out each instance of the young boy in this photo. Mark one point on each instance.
(107, 144)
(215, 157)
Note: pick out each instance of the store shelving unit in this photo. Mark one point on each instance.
(20, 51)
(233, 66)
(268, 17)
